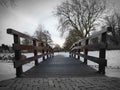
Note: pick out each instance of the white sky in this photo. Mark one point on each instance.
(28, 14)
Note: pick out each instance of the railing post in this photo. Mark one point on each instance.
(43, 52)
(70, 54)
(35, 52)
(19, 69)
(79, 50)
(86, 51)
(75, 52)
(102, 54)
(78, 55)
(47, 51)
(51, 52)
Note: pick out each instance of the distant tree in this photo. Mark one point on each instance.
(57, 47)
(43, 35)
(5, 47)
(113, 21)
(80, 15)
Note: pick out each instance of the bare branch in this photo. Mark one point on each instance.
(7, 3)
(80, 15)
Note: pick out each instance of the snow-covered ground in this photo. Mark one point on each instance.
(113, 57)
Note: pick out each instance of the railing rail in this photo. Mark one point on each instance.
(87, 44)
(45, 49)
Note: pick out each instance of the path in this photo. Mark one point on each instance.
(78, 83)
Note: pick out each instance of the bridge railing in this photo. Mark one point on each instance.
(37, 45)
(95, 42)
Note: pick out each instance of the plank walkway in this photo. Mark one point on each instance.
(61, 67)
(61, 74)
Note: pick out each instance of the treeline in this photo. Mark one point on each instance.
(6, 49)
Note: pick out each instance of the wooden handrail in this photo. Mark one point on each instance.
(92, 36)
(14, 32)
(100, 46)
(45, 48)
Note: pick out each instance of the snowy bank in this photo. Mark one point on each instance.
(7, 70)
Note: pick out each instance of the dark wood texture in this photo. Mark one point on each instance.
(18, 47)
(84, 46)
(19, 70)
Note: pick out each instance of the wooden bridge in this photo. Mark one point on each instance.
(61, 73)
(64, 66)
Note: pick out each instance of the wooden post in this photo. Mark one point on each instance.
(79, 50)
(19, 69)
(47, 51)
(78, 55)
(52, 52)
(102, 54)
(43, 52)
(70, 54)
(75, 52)
(86, 51)
(35, 52)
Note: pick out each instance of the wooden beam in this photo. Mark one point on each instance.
(94, 59)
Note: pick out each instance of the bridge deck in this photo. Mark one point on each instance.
(61, 67)
(74, 76)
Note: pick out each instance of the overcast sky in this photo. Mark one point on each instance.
(28, 14)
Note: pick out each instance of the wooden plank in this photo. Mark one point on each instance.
(91, 47)
(14, 32)
(27, 60)
(94, 59)
(29, 47)
(90, 37)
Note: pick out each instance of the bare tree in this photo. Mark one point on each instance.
(81, 15)
(113, 21)
(43, 35)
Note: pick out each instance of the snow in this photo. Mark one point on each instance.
(7, 70)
